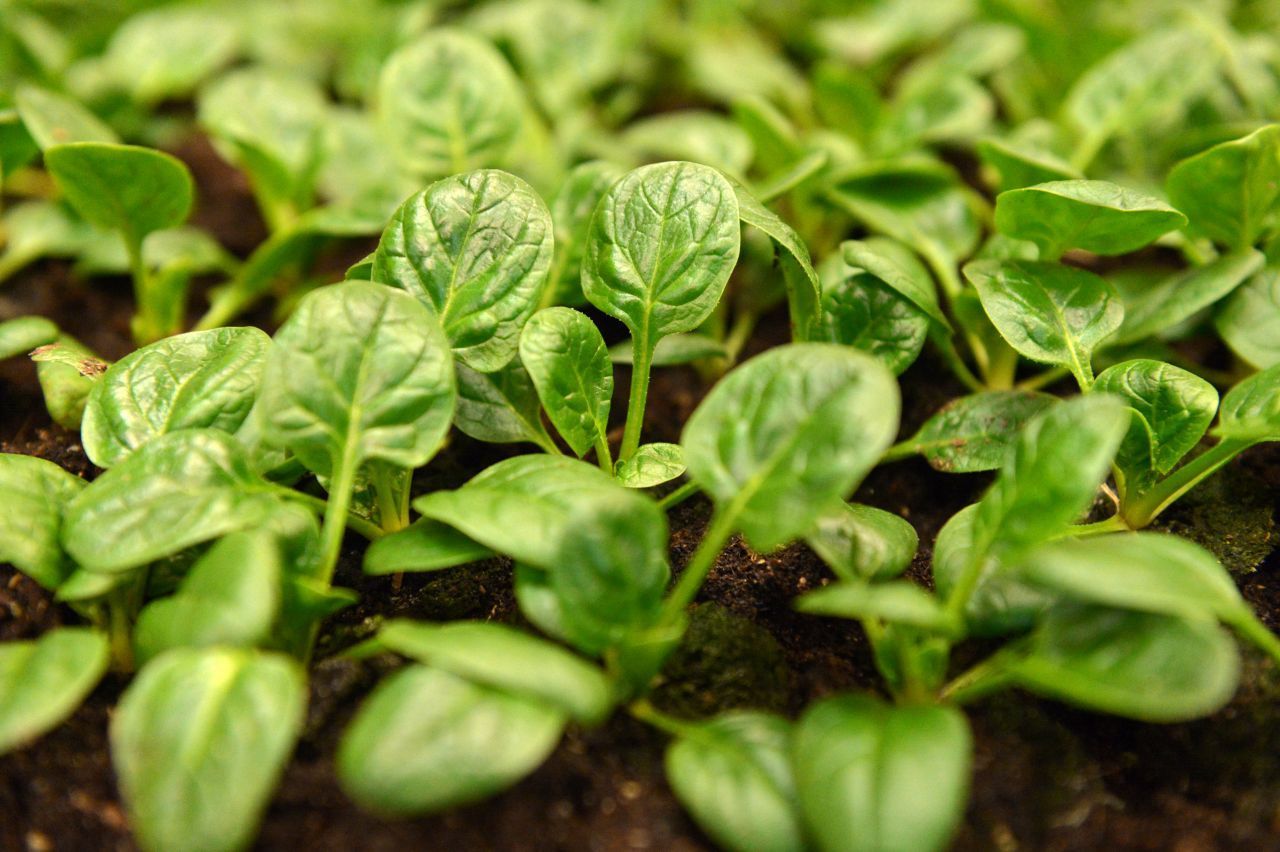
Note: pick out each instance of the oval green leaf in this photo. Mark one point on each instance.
(35, 494)
(566, 357)
(1093, 215)
(43, 681)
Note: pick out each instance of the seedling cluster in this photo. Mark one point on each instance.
(1054, 261)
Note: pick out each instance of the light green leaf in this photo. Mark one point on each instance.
(358, 372)
(571, 209)
(448, 102)
(1230, 191)
(895, 265)
(67, 370)
(895, 601)
(56, 119)
(166, 52)
(662, 245)
(179, 490)
(200, 739)
(20, 335)
(191, 381)
(231, 597)
(864, 543)
(425, 545)
(733, 775)
(1180, 296)
(1249, 321)
(403, 752)
(699, 136)
(975, 432)
(1022, 164)
(860, 310)
(42, 682)
(1250, 411)
(122, 187)
(875, 777)
(782, 437)
(505, 659)
(1155, 668)
(35, 494)
(501, 407)
(1049, 313)
(803, 288)
(475, 248)
(652, 464)
(565, 355)
(1093, 215)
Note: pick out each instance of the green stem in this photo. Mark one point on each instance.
(643, 710)
(900, 451)
(1248, 626)
(145, 324)
(355, 523)
(947, 349)
(1002, 368)
(986, 677)
(224, 307)
(1141, 512)
(603, 456)
(1115, 523)
(675, 498)
(700, 564)
(642, 359)
(1089, 147)
(1044, 379)
(336, 510)
(392, 498)
(119, 629)
(743, 325)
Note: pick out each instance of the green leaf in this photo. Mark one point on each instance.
(426, 740)
(864, 543)
(610, 570)
(652, 464)
(358, 372)
(1052, 474)
(803, 289)
(38, 229)
(1022, 164)
(522, 506)
(662, 245)
(165, 53)
(179, 490)
(1145, 571)
(425, 545)
(1250, 411)
(20, 335)
(975, 432)
(565, 355)
(475, 248)
(782, 437)
(17, 148)
(200, 739)
(1249, 321)
(448, 102)
(1179, 296)
(501, 407)
(506, 659)
(1093, 215)
(672, 350)
(122, 187)
(1230, 191)
(35, 494)
(191, 381)
(1172, 408)
(1049, 313)
(895, 601)
(950, 108)
(861, 311)
(875, 777)
(1001, 603)
(700, 136)
(571, 209)
(67, 371)
(231, 598)
(733, 775)
(895, 265)
(55, 119)
(1155, 668)
(42, 682)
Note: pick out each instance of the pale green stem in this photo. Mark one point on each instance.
(675, 498)
(603, 456)
(646, 712)
(986, 677)
(1044, 379)
(336, 511)
(355, 523)
(700, 564)
(642, 359)
(1142, 511)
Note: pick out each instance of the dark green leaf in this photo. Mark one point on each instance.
(566, 358)
(864, 543)
(1093, 215)
(501, 407)
(974, 433)
(861, 311)
(895, 265)
(652, 464)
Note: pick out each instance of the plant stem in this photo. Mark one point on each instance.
(1142, 511)
(641, 360)
(1115, 523)
(900, 451)
(743, 325)
(643, 710)
(336, 510)
(1248, 626)
(700, 564)
(675, 498)
(145, 326)
(392, 498)
(1044, 379)
(984, 678)
(355, 523)
(118, 624)
(947, 349)
(603, 456)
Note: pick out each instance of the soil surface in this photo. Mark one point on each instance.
(1046, 776)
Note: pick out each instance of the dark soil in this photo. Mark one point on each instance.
(1046, 776)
